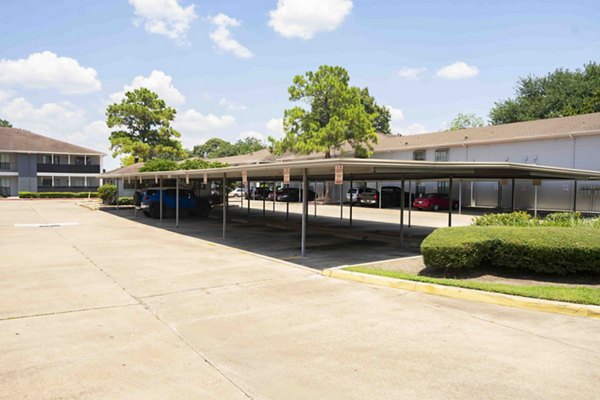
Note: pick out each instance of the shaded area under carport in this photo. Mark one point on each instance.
(330, 241)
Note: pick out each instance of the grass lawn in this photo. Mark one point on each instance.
(579, 294)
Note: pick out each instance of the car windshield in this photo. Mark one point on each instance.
(432, 195)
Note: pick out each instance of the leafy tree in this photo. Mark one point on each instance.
(217, 147)
(5, 124)
(162, 164)
(335, 115)
(464, 121)
(248, 145)
(159, 164)
(560, 93)
(382, 115)
(213, 148)
(143, 123)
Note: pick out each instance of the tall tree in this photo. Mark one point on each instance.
(5, 124)
(560, 93)
(464, 121)
(217, 147)
(334, 115)
(381, 114)
(143, 123)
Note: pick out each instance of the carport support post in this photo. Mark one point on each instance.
(450, 201)
(512, 195)
(161, 200)
(177, 202)
(287, 204)
(315, 200)
(304, 211)
(134, 205)
(351, 200)
(535, 190)
(575, 196)
(402, 214)
(410, 197)
(341, 201)
(460, 196)
(264, 204)
(248, 194)
(117, 193)
(379, 192)
(224, 194)
(274, 195)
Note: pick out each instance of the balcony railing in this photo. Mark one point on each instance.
(69, 168)
(6, 166)
(67, 188)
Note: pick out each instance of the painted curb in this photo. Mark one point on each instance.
(556, 307)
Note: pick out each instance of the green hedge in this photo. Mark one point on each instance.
(542, 249)
(125, 201)
(57, 195)
(521, 218)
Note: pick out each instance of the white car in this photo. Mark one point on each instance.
(237, 192)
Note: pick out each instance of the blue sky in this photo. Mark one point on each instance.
(226, 65)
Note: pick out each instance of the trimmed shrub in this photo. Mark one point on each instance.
(563, 219)
(517, 218)
(108, 193)
(126, 201)
(542, 249)
(521, 218)
(57, 195)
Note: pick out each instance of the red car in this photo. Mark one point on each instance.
(434, 201)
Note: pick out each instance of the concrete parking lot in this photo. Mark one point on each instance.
(105, 306)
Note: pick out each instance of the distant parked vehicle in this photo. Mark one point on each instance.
(188, 202)
(237, 192)
(434, 201)
(391, 196)
(259, 193)
(352, 194)
(294, 195)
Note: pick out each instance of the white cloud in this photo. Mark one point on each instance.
(231, 105)
(458, 70)
(275, 125)
(5, 95)
(411, 74)
(396, 114)
(164, 17)
(194, 121)
(47, 70)
(252, 134)
(222, 36)
(49, 119)
(93, 135)
(305, 18)
(158, 82)
(412, 129)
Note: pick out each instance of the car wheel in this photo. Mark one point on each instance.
(154, 211)
(146, 213)
(436, 207)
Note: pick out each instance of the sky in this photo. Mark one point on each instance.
(225, 65)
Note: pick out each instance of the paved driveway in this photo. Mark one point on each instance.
(111, 308)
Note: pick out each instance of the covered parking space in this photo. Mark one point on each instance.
(350, 170)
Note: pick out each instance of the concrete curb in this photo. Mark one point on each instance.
(556, 307)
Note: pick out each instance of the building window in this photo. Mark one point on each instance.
(419, 155)
(45, 181)
(79, 160)
(77, 181)
(442, 187)
(441, 155)
(5, 161)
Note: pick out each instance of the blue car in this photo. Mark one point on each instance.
(188, 202)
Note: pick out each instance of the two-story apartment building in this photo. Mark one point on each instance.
(34, 163)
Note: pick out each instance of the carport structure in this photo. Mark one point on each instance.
(363, 170)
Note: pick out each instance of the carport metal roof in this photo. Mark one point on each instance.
(363, 169)
(377, 169)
